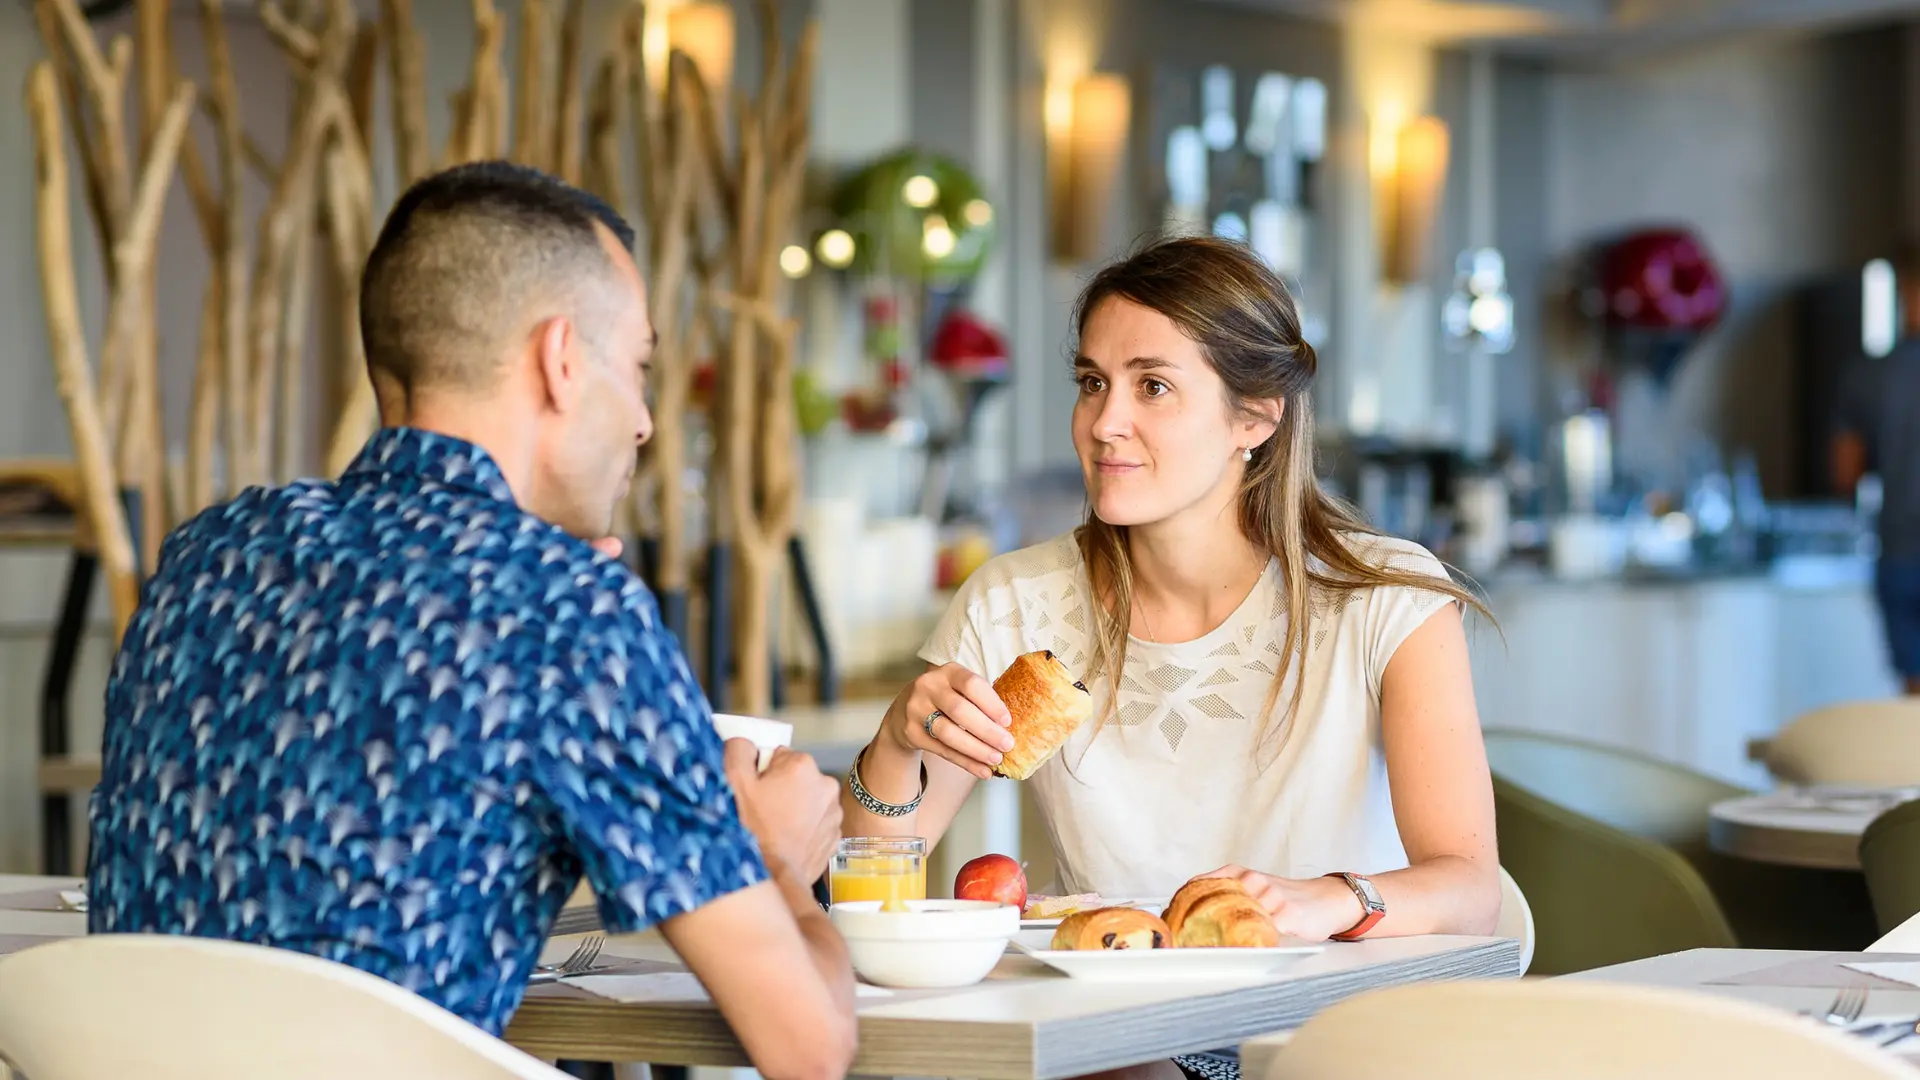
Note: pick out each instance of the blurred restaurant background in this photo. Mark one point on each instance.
(1583, 276)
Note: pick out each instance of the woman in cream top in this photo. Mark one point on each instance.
(1281, 694)
(1186, 775)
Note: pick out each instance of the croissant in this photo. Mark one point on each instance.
(1047, 707)
(1219, 913)
(1112, 928)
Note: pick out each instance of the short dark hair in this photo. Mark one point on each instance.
(462, 254)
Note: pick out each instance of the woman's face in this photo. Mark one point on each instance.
(1155, 435)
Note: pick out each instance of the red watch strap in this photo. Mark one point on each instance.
(1372, 915)
(1360, 928)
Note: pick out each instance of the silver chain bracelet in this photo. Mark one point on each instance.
(874, 806)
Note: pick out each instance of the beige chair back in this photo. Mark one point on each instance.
(1516, 918)
(1568, 1030)
(1870, 743)
(164, 1007)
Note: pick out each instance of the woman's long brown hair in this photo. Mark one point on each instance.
(1221, 295)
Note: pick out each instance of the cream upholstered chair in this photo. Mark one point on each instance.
(1568, 1030)
(1516, 918)
(165, 1007)
(1516, 921)
(1869, 743)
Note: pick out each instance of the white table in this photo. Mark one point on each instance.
(1794, 828)
(1789, 980)
(1025, 1022)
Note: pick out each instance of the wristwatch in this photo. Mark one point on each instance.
(1369, 897)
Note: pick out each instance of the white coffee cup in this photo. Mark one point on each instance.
(758, 730)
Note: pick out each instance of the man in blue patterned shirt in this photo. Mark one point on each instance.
(392, 720)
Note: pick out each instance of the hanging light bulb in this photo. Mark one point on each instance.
(835, 248)
(936, 237)
(920, 191)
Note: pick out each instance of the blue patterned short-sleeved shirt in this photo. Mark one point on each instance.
(391, 721)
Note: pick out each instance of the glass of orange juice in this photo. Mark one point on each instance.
(885, 868)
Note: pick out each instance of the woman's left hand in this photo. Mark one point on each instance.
(1314, 909)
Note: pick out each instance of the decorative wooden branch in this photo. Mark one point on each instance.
(363, 66)
(153, 43)
(103, 516)
(757, 470)
(203, 412)
(229, 270)
(289, 209)
(601, 172)
(674, 168)
(349, 196)
(407, 87)
(289, 416)
(567, 107)
(530, 142)
(295, 40)
(476, 128)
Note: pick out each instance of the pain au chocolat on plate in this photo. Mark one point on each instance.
(1047, 704)
(1112, 928)
(1219, 913)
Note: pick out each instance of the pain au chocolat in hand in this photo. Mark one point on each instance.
(1047, 707)
(1112, 928)
(1219, 913)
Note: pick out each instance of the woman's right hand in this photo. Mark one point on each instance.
(968, 720)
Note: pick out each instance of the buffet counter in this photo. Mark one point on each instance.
(1688, 669)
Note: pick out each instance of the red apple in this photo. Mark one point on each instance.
(994, 878)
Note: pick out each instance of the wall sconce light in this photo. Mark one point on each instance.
(704, 31)
(1095, 135)
(1413, 197)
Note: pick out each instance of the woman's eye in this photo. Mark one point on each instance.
(1153, 387)
(1091, 384)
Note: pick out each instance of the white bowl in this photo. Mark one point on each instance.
(934, 943)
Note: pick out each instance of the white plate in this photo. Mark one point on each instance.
(1155, 906)
(1133, 965)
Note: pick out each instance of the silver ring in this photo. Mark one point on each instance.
(928, 723)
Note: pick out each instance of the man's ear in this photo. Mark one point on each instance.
(558, 362)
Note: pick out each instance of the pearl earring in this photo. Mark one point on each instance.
(1246, 453)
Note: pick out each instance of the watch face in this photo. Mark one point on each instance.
(1372, 894)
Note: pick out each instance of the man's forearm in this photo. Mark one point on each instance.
(824, 944)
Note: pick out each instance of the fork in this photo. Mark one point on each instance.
(579, 963)
(1847, 1006)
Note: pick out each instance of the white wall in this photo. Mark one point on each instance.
(1784, 155)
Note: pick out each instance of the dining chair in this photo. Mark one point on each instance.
(1890, 859)
(1516, 918)
(168, 1007)
(1600, 895)
(1766, 906)
(1866, 743)
(1569, 1030)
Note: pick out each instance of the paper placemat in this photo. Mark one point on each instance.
(621, 965)
(1828, 971)
(666, 987)
(49, 899)
(1906, 972)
